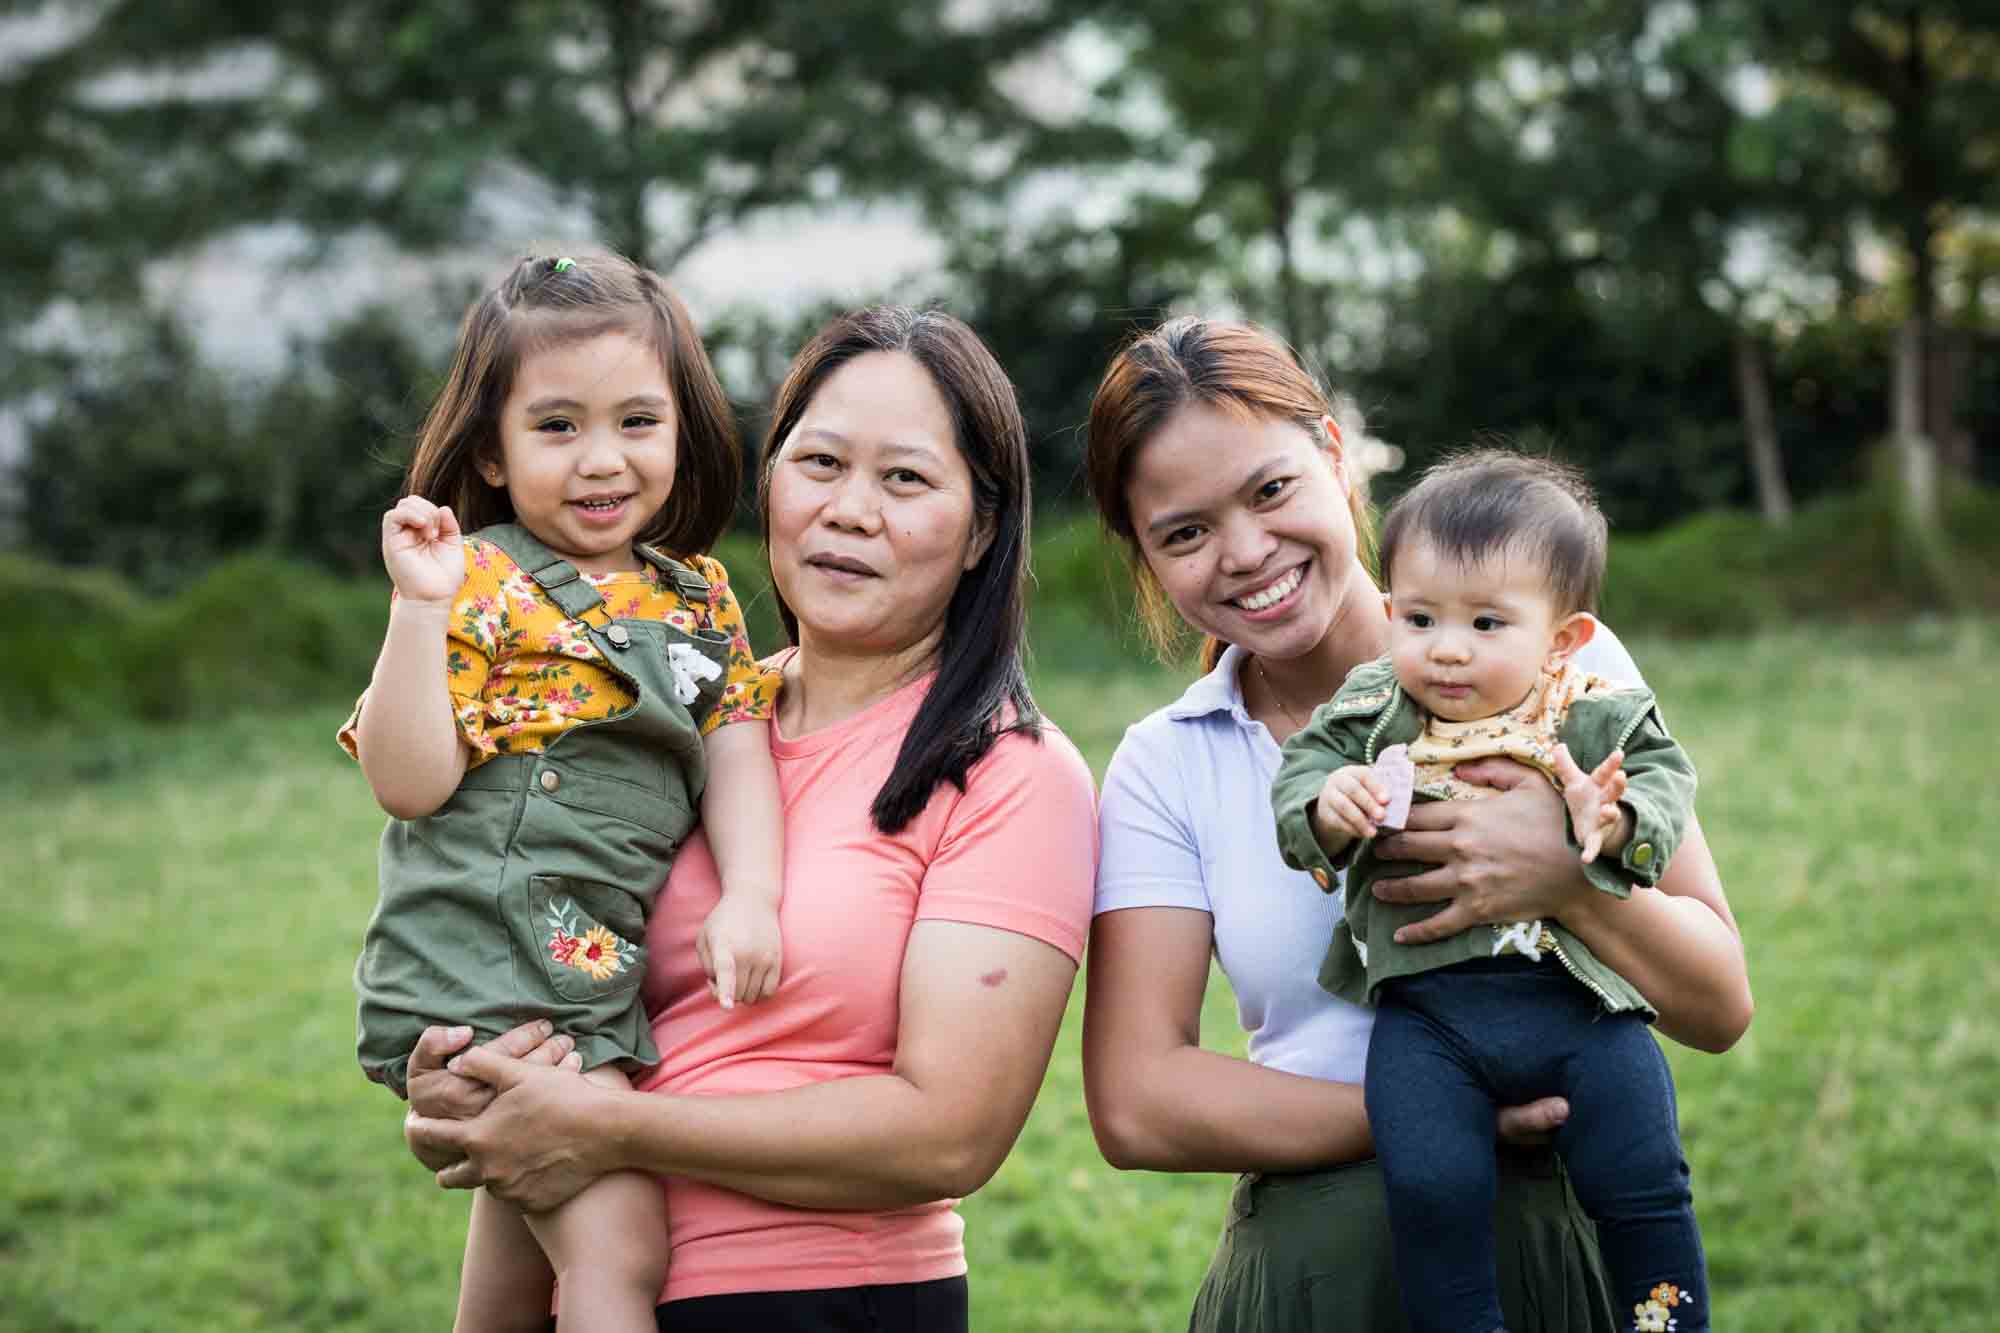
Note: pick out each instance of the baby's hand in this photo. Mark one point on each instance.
(1353, 802)
(1593, 799)
(423, 550)
(740, 949)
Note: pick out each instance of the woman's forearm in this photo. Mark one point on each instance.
(1157, 1100)
(861, 1144)
(1245, 1117)
(1678, 945)
(980, 1009)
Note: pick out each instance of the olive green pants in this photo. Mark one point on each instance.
(1310, 1253)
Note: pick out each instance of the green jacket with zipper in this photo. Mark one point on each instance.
(1372, 712)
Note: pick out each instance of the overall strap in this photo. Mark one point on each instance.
(556, 576)
(687, 583)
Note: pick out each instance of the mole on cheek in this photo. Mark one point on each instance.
(993, 978)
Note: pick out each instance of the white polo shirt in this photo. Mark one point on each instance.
(1184, 820)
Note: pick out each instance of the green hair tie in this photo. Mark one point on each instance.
(565, 265)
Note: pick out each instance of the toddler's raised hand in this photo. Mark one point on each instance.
(740, 949)
(1593, 799)
(1352, 802)
(423, 550)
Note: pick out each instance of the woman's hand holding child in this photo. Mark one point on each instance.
(438, 1092)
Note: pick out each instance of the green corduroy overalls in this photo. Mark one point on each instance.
(526, 894)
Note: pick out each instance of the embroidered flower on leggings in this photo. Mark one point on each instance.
(1656, 1314)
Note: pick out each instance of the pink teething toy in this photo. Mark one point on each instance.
(1399, 775)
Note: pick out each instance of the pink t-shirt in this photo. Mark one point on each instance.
(1016, 850)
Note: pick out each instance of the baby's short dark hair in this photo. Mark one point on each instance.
(1481, 502)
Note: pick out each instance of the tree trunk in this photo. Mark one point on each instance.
(1289, 293)
(1760, 432)
(631, 234)
(1949, 362)
(1278, 189)
(1916, 456)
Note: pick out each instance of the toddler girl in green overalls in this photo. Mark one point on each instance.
(543, 724)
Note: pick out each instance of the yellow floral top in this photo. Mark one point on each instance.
(1527, 732)
(522, 673)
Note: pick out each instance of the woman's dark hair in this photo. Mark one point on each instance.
(981, 690)
(1235, 366)
(545, 302)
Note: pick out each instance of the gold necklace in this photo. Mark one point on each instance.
(1283, 707)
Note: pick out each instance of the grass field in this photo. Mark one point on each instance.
(191, 1147)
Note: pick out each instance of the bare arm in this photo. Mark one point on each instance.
(980, 1008)
(1506, 859)
(739, 944)
(1157, 1100)
(405, 737)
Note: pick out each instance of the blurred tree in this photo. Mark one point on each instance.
(1270, 128)
(132, 132)
(1617, 157)
(1892, 110)
(147, 460)
(148, 127)
(1642, 231)
(142, 463)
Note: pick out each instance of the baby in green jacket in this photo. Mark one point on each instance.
(1492, 564)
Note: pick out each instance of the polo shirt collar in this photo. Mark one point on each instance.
(1220, 691)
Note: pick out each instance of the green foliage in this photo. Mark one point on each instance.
(1551, 223)
(156, 127)
(141, 465)
(1525, 220)
(152, 464)
(62, 632)
(1847, 557)
(257, 632)
(184, 1106)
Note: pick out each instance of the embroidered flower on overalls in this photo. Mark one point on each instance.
(1656, 1315)
(594, 950)
(689, 668)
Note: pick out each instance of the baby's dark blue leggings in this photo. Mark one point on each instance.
(1452, 1046)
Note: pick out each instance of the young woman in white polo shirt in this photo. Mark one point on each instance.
(1219, 460)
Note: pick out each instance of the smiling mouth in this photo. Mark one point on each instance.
(602, 504)
(1271, 594)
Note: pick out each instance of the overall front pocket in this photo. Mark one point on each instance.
(589, 937)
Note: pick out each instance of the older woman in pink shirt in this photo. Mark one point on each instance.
(939, 855)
